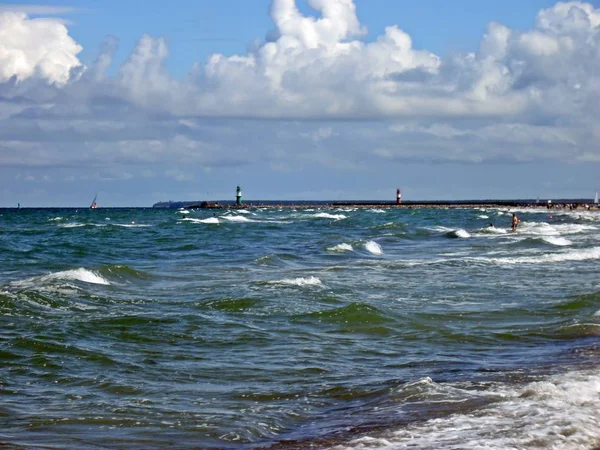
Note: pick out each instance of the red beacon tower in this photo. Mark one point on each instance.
(398, 196)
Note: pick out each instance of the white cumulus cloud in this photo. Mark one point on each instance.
(38, 46)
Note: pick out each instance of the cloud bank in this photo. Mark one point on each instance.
(519, 96)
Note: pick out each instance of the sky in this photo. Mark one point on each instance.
(297, 100)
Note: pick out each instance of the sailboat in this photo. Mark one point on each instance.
(94, 205)
(596, 199)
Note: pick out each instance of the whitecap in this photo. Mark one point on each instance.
(560, 241)
(343, 247)
(494, 230)
(183, 211)
(462, 233)
(373, 247)
(207, 220)
(483, 216)
(71, 225)
(330, 216)
(80, 274)
(572, 255)
(309, 281)
(378, 211)
(237, 219)
(131, 225)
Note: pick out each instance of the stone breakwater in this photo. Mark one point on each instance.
(558, 205)
(418, 205)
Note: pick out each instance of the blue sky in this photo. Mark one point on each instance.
(323, 100)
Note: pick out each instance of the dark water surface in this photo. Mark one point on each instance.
(328, 328)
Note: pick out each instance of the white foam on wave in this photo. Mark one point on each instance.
(572, 255)
(237, 219)
(494, 230)
(462, 233)
(329, 216)
(553, 229)
(560, 241)
(557, 413)
(373, 247)
(183, 211)
(377, 211)
(81, 274)
(71, 225)
(440, 229)
(55, 219)
(131, 225)
(343, 247)
(309, 281)
(207, 220)
(483, 216)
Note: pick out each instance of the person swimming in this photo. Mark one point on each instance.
(515, 221)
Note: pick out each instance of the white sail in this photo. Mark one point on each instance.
(596, 198)
(94, 205)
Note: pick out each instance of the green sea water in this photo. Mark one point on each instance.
(310, 328)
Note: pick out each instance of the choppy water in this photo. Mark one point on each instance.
(328, 328)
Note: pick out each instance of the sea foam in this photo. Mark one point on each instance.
(80, 274)
(309, 281)
(560, 241)
(558, 413)
(572, 255)
(329, 216)
(207, 220)
(373, 247)
(343, 247)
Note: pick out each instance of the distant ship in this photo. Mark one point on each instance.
(94, 205)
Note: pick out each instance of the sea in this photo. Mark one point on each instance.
(299, 328)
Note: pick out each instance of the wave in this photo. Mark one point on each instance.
(554, 229)
(231, 304)
(343, 247)
(309, 281)
(207, 220)
(452, 233)
(237, 219)
(130, 225)
(494, 230)
(560, 241)
(352, 317)
(556, 412)
(329, 216)
(483, 216)
(373, 247)
(573, 255)
(71, 225)
(80, 274)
